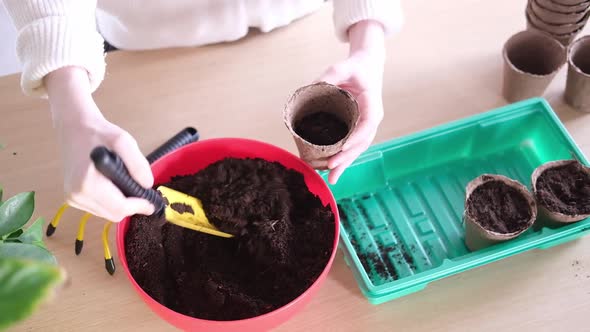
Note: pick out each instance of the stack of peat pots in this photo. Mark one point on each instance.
(533, 57)
(562, 19)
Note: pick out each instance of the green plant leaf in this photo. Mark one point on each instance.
(15, 234)
(1, 192)
(26, 251)
(40, 244)
(34, 233)
(24, 286)
(16, 211)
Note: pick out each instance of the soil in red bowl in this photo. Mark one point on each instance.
(499, 208)
(565, 189)
(284, 238)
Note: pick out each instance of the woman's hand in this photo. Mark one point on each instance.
(81, 127)
(362, 75)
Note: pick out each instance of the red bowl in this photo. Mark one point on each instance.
(196, 156)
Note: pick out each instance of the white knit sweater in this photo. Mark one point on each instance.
(56, 33)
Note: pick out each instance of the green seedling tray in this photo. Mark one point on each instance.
(401, 202)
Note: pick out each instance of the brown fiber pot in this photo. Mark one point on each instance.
(559, 8)
(570, 2)
(555, 29)
(531, 61)
(577, 86)
(552, 17)
(567, 39)
(478, 237)
(555, 217)
(320, 97)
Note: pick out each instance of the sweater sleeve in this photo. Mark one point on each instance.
(348, 12)
(53, 34)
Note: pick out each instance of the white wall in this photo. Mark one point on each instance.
(8, 61)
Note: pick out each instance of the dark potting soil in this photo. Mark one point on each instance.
(283, 240)
(499, 207)
(321, 128)
(182, 208)
(565, 189)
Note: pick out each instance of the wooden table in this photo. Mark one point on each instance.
(445, 65)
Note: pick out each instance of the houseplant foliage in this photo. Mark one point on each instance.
(28, 271)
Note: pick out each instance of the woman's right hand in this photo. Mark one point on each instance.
(81, 127)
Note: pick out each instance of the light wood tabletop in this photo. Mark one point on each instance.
(446, 64)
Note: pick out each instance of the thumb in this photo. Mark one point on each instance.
(139, 168)
(138, 206)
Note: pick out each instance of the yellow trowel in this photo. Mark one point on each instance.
(178, 208)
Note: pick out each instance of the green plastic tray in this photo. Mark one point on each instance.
(401, 202)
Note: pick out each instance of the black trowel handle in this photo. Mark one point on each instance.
(184, 137)
(111, 166)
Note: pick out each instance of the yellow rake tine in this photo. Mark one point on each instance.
(109, 263)
(55, 221)
(81, 229)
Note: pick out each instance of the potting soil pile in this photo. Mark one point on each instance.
(283, 240)
(499, 207)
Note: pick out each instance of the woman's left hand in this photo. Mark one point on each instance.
(361, 74)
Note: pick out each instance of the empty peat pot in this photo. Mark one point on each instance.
(570, 2)
(562, 190)
(553, 17)
(577, 86)
(557, 31)
(531, 60)
(320, 117)
(566, 9)
(497, 209)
